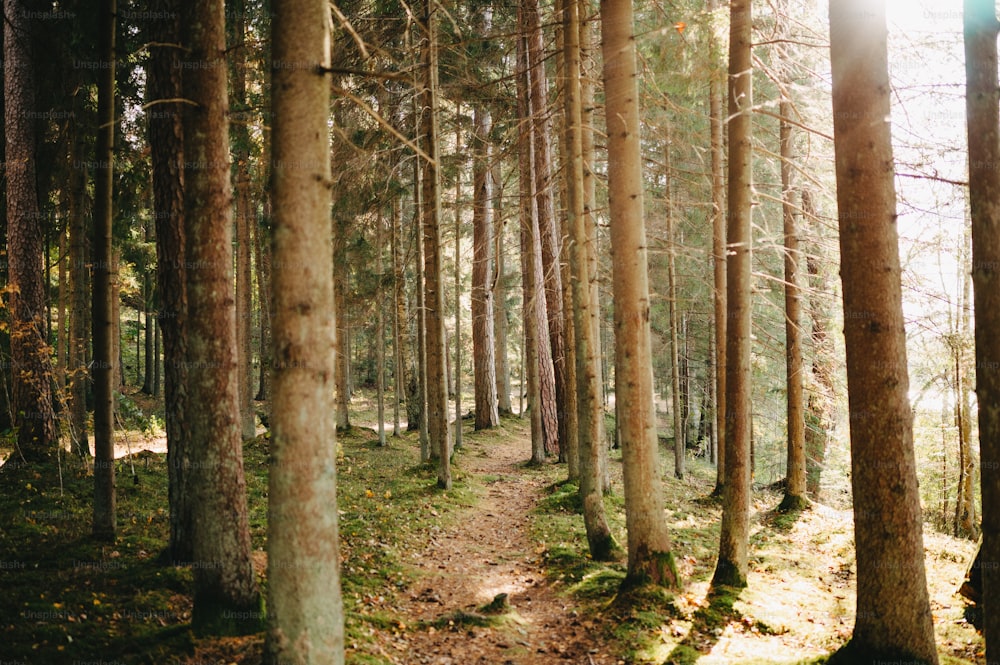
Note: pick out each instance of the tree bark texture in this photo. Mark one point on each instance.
(305, 611)
(649, 555)
(982, 103)
(893, 619)
(226, 598)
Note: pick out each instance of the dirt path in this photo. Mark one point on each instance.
(489, 552)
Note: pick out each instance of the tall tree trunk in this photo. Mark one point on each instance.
(982, 101)
(62, 301)
(893, 619)
(567, 50)
(226, 598)
(379, 333)
(966, 524)
(34, 417)
(795, 483)
(79, 301)
(458, 283)
(589, 411)
(262, 259)
(304, 608)
(819, 411)
(244, 214)
(717, 122)
(650, 559)
(105, 269)
(483, 333)
(500, 300)
(548, 236)
(731, 568)
(342, 388)
(593, 311)
(437, 388)
(166, 140)
(675, 369)
(399, 327)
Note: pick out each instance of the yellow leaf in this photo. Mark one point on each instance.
(369, 493)
(388, 494)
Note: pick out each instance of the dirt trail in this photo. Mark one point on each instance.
(488, 552)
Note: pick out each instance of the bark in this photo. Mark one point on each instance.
(226, 598)
(966, 525)
(650, 559)
(105, 274)
(437, 388)
(893, 619)
(262, 259)
(588, 398)
(341, 268)
(500, 303)
(458, 285)
(675, 369)
(717, 122)
(166, 140)
(79, 292)
(483, 334)
(819, 412)
(304, 608)
(731, 568)
(795, 484)
(399, 328)
(982, 102)
(565, 51)
(379, 334)
(548, 236)
(34, 417)
(244, 213)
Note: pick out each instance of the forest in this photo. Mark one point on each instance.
(535, 332)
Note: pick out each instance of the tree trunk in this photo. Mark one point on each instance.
(34, 417)
(105, 269)
(731, 568)
(458, 284)
(568, 48)
(483, 334)
(893, 613)
(982, 101)
(500, 301)
(304, 608)
(650, 559)
(244, 214)
(966, 524)
(795, 483)
(79, 293)
(437, 388)
(718, 123)
(819, 408)
(588, 397)
(675, 369)
(379, 334)
(262, 259)
(342, 388)
(548, 237)
(226, 598)
(166, 142)
(398, 316)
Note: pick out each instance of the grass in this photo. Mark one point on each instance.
(70, 598)
(797, 607)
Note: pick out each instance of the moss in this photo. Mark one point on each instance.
(793, 505)
(857, 652)
(728, 574)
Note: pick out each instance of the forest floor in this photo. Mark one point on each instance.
(423, 570)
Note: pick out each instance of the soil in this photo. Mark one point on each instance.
(464, 568)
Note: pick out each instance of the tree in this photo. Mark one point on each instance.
(588, 397)
(731, 568)
(649, 555)
(32, 368)
(437, 388)
(795, 483)
(305, 611)
(893, 620)
(166, 141)
(103, 320)
(483, 335)
(225, 590)
(680, 444)
(982, 101)
(715, 94)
